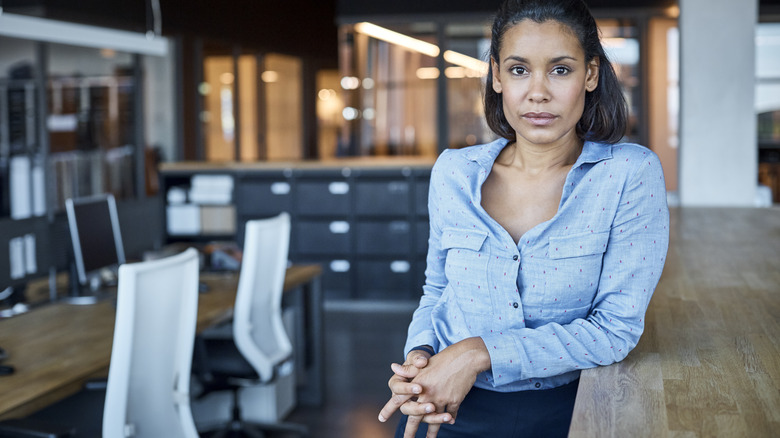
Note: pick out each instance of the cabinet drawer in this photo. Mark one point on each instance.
(376, 198)
(263, 197)
(336, 277)
(315, 237)
(322, 197)
(385, 280)
(383, 238)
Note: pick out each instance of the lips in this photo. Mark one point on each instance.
(539, 119)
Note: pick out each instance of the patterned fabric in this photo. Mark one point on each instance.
(572, 294)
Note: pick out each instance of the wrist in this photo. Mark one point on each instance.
(476, 354)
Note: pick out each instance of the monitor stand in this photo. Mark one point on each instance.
(80, 294)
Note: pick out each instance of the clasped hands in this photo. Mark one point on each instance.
(430, 389)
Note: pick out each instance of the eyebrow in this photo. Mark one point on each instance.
(552, 61)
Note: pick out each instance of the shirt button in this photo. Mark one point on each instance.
(538, 385)
(514, 257)
(515, 305)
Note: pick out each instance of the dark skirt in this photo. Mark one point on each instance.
(483, 413)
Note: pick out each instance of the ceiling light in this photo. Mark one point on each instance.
(400, 39)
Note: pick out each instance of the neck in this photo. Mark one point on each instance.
(537, 159)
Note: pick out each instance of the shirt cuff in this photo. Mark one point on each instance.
(427, 337)
(504, 360)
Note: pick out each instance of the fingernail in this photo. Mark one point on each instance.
(416, 389)
(382, 419)
(429, 409)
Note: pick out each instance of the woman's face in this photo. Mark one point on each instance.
(543, 77)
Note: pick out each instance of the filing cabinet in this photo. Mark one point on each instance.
(323, 196)
(263, 197)
(322, 237)
(385, 280)
(364, 222)
(392, 238)
(382, 198)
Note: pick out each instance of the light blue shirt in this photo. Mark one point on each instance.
(572, 294)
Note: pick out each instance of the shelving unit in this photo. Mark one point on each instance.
(365, 223)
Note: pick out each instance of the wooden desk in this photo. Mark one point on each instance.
(56, 347)
(708, 363)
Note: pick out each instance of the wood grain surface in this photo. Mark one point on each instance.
(56, 347)
(708, 363)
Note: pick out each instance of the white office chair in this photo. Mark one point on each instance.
(147, 394)
(259, 347)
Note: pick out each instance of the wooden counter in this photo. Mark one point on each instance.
(708, 363)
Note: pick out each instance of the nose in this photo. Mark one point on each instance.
(538, 91)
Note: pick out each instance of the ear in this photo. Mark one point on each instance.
(592, 78)
(496, 79)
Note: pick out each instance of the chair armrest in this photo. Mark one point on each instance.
(27, 428)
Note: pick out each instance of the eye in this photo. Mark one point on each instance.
(518, 70)
(561, 70)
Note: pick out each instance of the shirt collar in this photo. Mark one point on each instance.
(486, 154)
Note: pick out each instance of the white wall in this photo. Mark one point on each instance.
(718, 151)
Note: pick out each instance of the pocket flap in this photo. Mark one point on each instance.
(458, 238)
(578, 245)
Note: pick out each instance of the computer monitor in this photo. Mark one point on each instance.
(97, 241)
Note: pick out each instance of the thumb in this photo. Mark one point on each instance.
(408, 371)
(420, 360)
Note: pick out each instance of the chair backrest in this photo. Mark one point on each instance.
(149, 375)
(258, 330)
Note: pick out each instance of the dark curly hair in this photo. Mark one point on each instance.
(606, 112)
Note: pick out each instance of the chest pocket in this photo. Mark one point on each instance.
(578, 245)
(575, 268)
(466, 269)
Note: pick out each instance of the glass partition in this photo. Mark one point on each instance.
(390, 79)
(466, 83)
(217, 90)
(620, 39)
(386, 88)
(252, 105)
(282, 80)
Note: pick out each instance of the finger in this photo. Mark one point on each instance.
(418, 359)
(392, 405)
(433, 430)
(402, 387)
(437, 418)
(412, 424)
(408, 371)
(452, 409)
(416, 408)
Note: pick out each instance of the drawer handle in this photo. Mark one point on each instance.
(338, 188)
(339, 227)
(400, 266)
(398, 187)
(339, 266)
(399, 227)
(280, 188)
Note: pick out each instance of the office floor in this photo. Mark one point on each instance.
(359, 347)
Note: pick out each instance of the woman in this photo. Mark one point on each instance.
(545, 245)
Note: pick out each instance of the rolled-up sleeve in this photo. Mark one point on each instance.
(421, 331)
